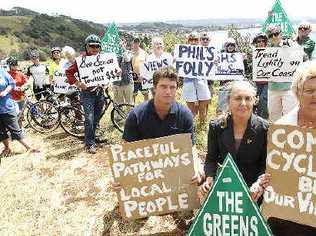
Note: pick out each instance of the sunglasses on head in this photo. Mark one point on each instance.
(273, 34)
(303, 28)
(94, 46)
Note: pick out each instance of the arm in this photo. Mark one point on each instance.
(70, 74)
(10, 85)
(130, 133)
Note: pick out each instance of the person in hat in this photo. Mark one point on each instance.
(39, 72)
(54, 63)
(92, 97)
(303, 39)
(20, 79)
(261, 108)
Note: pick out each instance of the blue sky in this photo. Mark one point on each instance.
(162, 10)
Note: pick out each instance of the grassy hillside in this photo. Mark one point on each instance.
(18, 34)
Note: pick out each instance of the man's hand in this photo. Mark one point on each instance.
(116, 186)
(81, 85)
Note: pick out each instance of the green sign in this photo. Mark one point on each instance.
(278, 17)
(111, 41)
(228, 209)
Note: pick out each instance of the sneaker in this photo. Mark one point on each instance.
(91, 149)
(100, 141)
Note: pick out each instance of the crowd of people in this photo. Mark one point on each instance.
(244, 110)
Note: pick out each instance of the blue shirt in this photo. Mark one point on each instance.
(7, 105)
(143, 122)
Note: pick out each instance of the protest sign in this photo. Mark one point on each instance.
(152, 64)
(155, 175)
(292, 165)
(98, 69)
(279, 17)
(229, 209)
(230, 66)
(111, 41)
(61, 84)
(195, 61)
(276, 64)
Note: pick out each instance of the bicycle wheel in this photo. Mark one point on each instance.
(43, 117)
(119, 115)
(72, 121)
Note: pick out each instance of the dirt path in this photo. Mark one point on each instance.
(64, 191)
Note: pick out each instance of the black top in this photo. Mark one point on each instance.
(251, 155)
(144, 123)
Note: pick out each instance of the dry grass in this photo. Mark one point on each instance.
(64, 191)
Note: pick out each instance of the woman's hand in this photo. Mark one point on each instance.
(258, 187)
(205, 187)
(198, 178)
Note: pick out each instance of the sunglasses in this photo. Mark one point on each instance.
(261, 41)
(303, 28)
(56, 52)
(273, 35)
(205, 39)
(94, 46)
(231, 45)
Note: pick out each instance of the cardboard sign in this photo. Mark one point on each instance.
(279, 17)
(61, 84)
(111, 41)
(291, 161)
(148, 68)
(276, 64)
(155, 175)
(98, 69)
(195, 61)
(230, 67)
(229, 209)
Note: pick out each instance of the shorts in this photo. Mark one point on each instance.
(195, 90)
(138, 87)
(9, 122)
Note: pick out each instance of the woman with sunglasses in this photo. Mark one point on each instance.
(304, 40)
(280, 99)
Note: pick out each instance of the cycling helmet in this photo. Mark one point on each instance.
(34, 54)
(12, 61)
(92, 39)
(55, 49)
(260, 35)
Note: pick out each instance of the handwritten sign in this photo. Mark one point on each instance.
(98, 69)
(151, 65)
(61, 84)
(195, 61)
(230, 67)
(155, 175)
(228, 209)
(291, 161)
(276, 64)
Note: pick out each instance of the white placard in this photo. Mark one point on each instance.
(98, 69)
(276, 64)
(230, 67)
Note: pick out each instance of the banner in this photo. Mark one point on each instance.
(195, 61)
(229, 67)
(111, 41)
(291, 161)
(155, 175)
(61, 84)
(148, 68)
(229, 209)
(276, 64)
(98, 69)
(279, 17)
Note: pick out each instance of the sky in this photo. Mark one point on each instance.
(124, 11)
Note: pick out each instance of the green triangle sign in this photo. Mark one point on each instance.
(278, 17)
(228, 209)
(111, 41)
